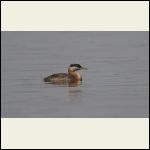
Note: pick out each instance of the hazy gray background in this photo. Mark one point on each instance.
(115, 84)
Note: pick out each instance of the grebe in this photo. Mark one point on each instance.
(72, 76)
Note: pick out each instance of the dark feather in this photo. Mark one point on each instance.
(75, 65)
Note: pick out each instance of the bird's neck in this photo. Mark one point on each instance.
(74, 75)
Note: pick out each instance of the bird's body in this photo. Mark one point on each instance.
(57, 77)
(72, 76)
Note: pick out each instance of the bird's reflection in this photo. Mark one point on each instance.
(75, 84)
(68, 84)
(74, 90)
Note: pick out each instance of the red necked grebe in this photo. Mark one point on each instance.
(72, 75)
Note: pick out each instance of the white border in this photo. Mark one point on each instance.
(77, 133)
(75, 16)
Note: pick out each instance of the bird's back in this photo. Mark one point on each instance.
(59, 77)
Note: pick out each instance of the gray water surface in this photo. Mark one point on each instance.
(115, 84)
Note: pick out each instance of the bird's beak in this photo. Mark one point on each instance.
(83, 68)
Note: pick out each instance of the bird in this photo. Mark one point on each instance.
(72, 76)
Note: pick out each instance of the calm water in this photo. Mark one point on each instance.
(115, 84)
